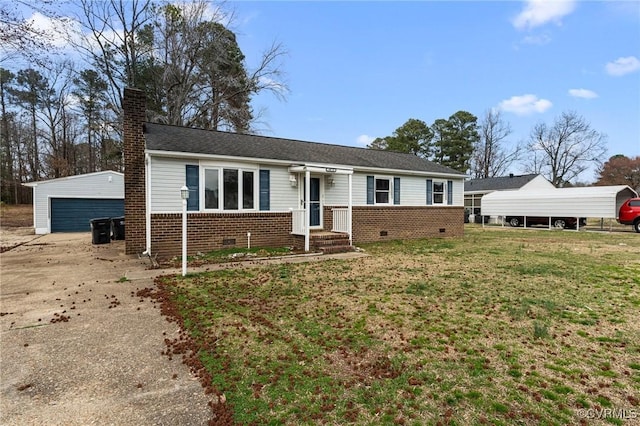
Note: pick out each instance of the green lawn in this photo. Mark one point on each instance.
(502, 326)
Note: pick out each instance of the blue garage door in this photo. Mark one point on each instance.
(74, 214)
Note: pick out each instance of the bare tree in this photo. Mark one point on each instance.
(562, 151)
(55, 115)
(112, 44)
(197, 75)
(19, 37)
(491, 157)
(188, 63)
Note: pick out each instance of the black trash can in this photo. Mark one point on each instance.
(117, 228)
(100, 230)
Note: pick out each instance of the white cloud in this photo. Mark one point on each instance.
(525, 105)
(583, 93)
(622, 66)
(55, 30)
(540, 12)
(364, 140)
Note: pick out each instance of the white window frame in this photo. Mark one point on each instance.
(240, 168)
(375, 190)
(444, 192)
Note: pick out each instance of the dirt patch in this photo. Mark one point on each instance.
(16, 226)
(14, 237)
(14, 216)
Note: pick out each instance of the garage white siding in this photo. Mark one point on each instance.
(100, 185)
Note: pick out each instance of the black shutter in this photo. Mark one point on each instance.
(396, 190)
(193, 183)
(371, 193)
(429, 192)
(449, 192)
(265, 203)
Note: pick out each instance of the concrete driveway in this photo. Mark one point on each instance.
(78, 347)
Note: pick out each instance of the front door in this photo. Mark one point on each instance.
(315, 210)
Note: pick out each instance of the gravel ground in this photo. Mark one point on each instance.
(78, 347)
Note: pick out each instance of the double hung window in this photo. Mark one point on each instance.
(438, 192)
(382, 191)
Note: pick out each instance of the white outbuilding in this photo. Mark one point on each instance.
(68, 204)
(592, 201)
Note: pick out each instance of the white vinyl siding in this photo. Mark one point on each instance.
(412, 189)
(458, 192)
(167, 177)
(92, 185)
(338, 193)
(360, 189)
(283, 195)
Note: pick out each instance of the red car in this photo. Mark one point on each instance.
(629, 213)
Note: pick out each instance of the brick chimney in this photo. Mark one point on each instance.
(134, 110)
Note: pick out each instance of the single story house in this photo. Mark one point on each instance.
(272, 192)
(591, 201)
(68, 204)
(475, 189)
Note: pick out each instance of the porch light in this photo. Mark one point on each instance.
(293, 181)
(184, 193)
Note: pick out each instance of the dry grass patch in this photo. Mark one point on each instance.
(16, 215)
(498, 327)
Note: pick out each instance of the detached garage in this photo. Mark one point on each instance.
(68, 204)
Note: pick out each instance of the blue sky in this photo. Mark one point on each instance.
(358, 70)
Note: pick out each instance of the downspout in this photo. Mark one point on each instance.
(350, 209)
(307, 193)
(147, 192)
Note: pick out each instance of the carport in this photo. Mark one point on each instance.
(68, 204)
(593, 202)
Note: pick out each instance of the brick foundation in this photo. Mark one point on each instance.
(214, 231)
(405, 223)
(211, 231)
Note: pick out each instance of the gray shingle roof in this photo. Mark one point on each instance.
(498, 183)
(161, 137)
